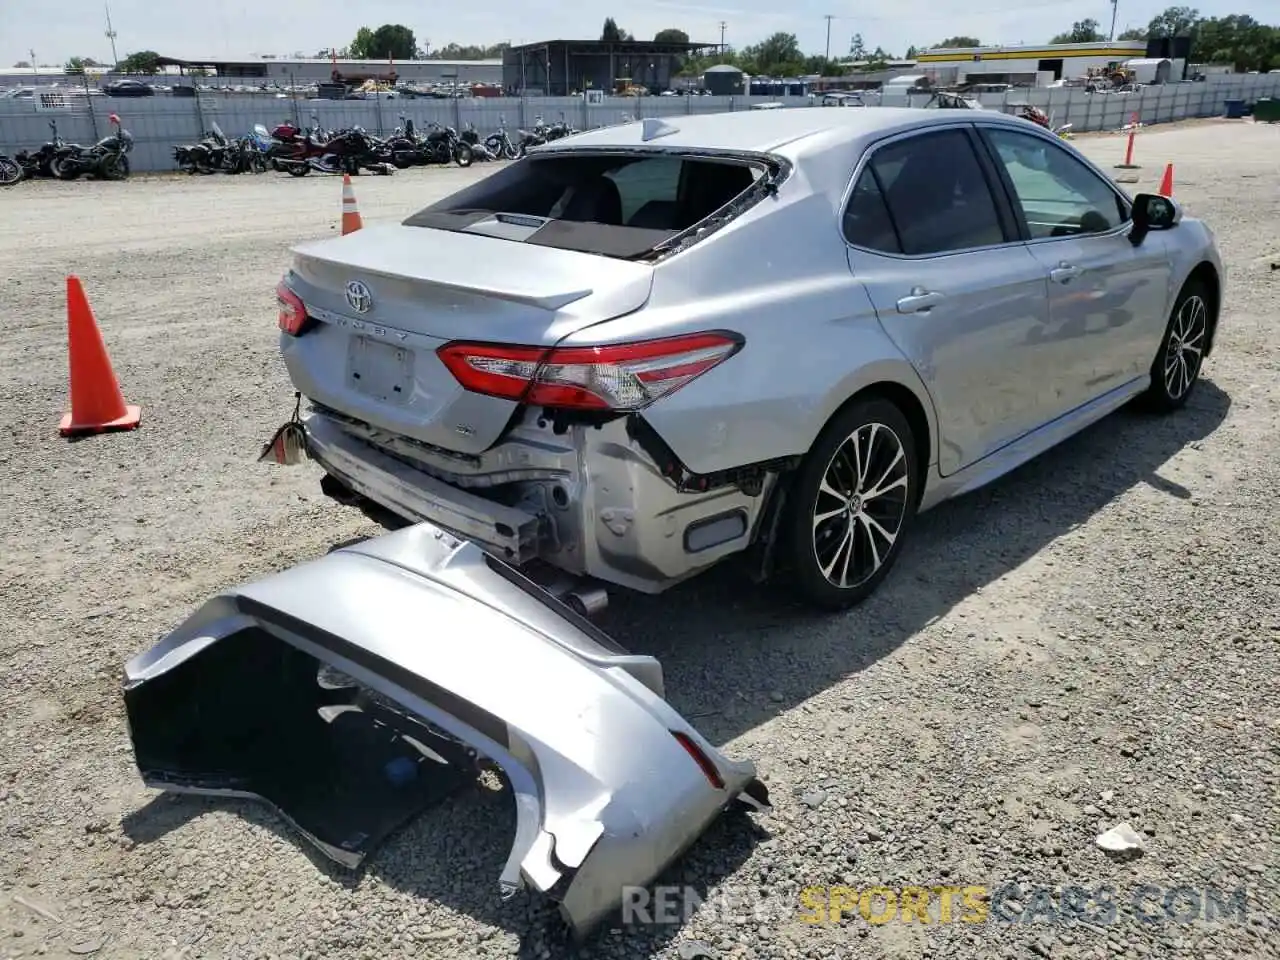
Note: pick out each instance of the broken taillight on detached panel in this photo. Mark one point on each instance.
(292, 317)
(621, 376)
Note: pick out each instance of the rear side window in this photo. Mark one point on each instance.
(923, 195)
(620, 205)
(866, 218)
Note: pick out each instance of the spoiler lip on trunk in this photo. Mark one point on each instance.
(552, 280)
(459, 654)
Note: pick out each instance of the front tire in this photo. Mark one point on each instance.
(852, 503)
(1175, 371)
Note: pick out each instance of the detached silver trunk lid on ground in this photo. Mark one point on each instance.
(386, 298)
(356, 690)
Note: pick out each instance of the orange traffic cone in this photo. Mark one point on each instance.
(96, 402)
(1166, 184)
(351, 221)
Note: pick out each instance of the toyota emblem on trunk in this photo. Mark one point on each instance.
(359, 297)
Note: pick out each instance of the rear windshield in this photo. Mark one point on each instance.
(618, 205)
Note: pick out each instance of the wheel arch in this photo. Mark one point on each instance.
(1206, 274)
(915, 405)
(918, 414)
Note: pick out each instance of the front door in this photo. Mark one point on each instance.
(1106, 296)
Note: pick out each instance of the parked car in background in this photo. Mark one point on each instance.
(603, 358)
(128, 88)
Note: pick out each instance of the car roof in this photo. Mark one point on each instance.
(765, 131)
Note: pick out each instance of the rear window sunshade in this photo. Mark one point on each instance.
(624, 204)
(623, 243)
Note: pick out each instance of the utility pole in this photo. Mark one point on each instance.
(722, 26)
(111, 35)
(1115, 5)
(828, 53)
(35, 67)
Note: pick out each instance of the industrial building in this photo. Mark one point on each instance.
(285, 70)
(561, 68)
(1034, 65)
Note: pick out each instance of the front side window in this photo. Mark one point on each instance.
(923, 195)
(1059, 195)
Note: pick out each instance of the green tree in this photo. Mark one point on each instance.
(1175, 22)
(857, 49)
(613, 33)
(393, 40)
(912, 52)
(362, 46)
(671, 35)
(1082, 31)
(779, 55)
(75, 66)
(456, 51)
(1239, 40)
(958, 43)
(144, 61)
(820, 66)
(1133, 33)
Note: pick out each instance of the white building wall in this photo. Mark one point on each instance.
(1072, 67)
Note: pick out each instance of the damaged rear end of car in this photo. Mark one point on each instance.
(444, 382)
(355, 691)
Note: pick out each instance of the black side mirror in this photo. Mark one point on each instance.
(1153, 212)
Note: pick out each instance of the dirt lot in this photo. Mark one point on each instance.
(1093, 640)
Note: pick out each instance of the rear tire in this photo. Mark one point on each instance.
(10, 172)
(463, 155)
(1175, 371)
(115, 168)
(852, 504)
(64, 169)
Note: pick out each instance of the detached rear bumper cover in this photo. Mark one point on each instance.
(463, 657)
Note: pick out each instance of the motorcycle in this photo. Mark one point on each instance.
(499, 144)
(206, 156)
(10, 171)
(444, 146)
(344, 152)
(560, 129)
(39, 163)
(243, 155)
(106, 160)
(402, 148)
(479, 151)
(536, 136)
(541, 133)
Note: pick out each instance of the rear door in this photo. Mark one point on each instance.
(1106, 296)
(938, 251)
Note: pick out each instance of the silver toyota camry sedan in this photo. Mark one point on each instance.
(778, 334)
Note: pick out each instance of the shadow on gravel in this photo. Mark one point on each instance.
(735, 656)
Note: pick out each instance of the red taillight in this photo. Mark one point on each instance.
(623, 376)
(701, 759)
(293, 315)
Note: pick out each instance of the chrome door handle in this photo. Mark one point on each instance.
(920, 301)
(1064, 272)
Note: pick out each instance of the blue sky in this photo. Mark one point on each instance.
(236, 28)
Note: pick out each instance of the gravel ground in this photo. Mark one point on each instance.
(1090, 641)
